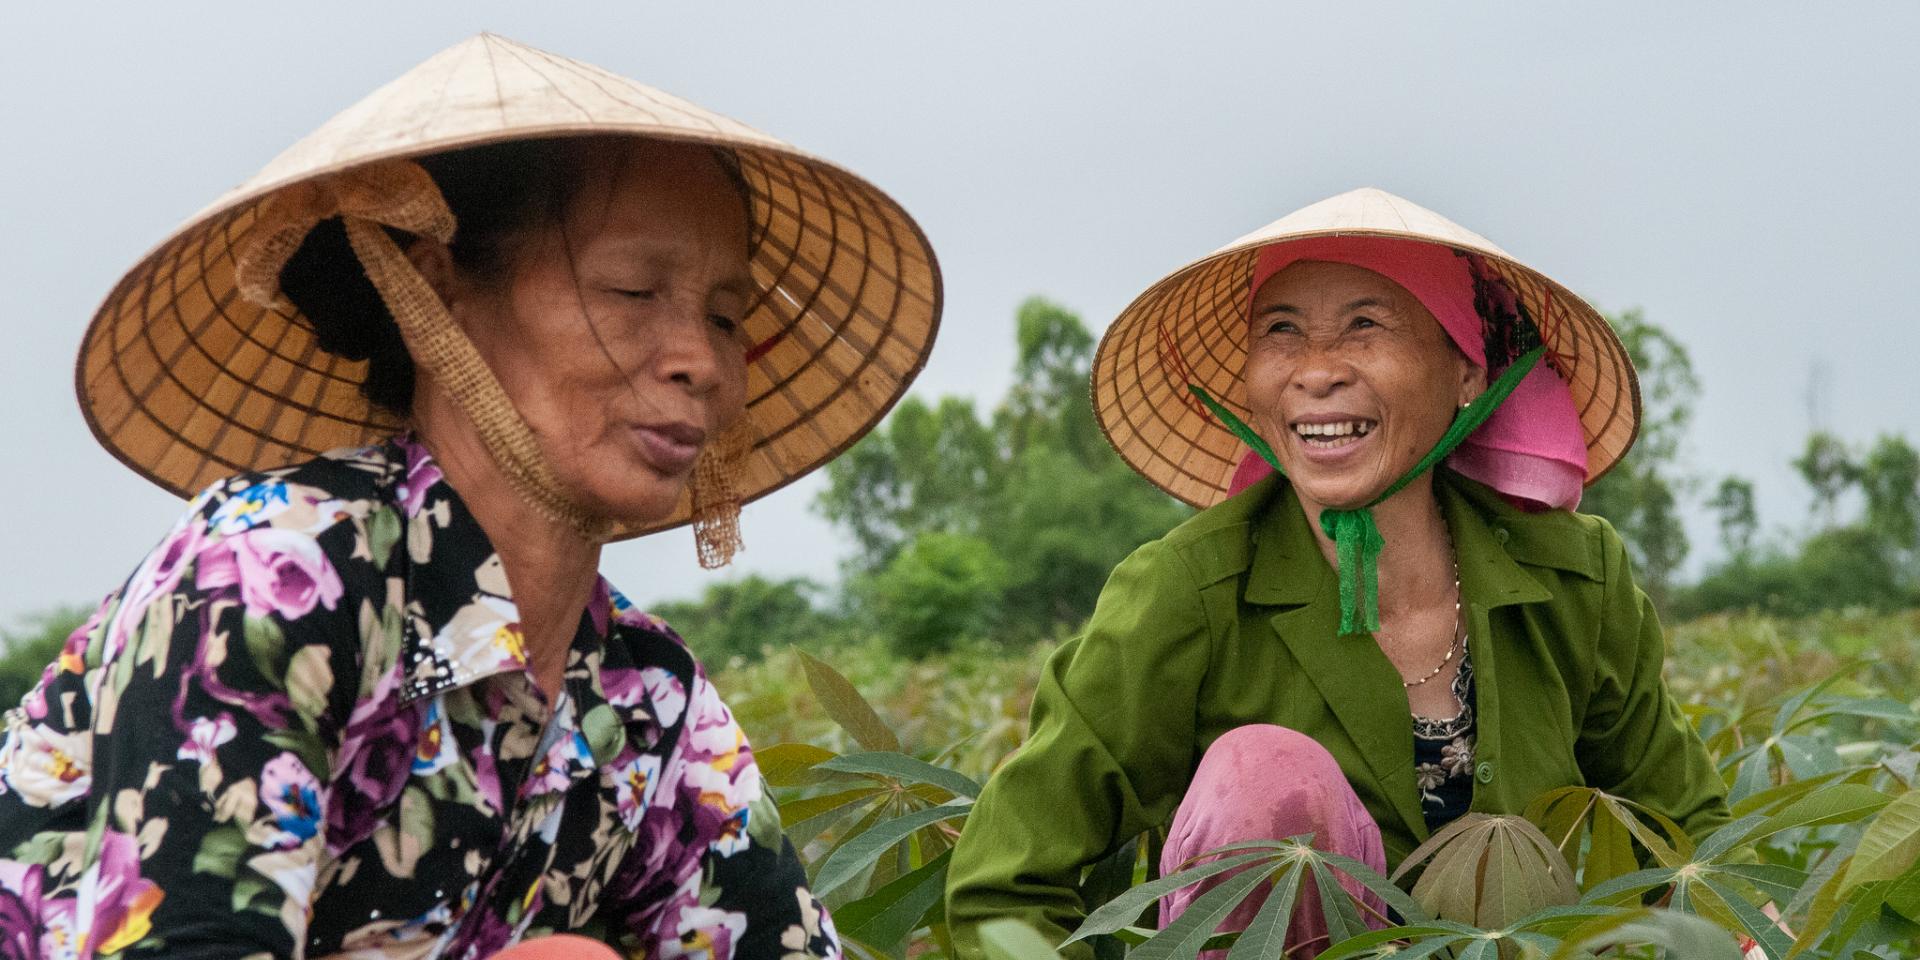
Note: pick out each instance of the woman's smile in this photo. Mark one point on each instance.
(1329, 438)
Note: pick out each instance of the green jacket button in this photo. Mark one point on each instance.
(1500, 535)
(1484, 772)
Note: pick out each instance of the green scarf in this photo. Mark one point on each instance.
(1356, 538)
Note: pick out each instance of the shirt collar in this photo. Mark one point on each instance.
(461, 622)
(1287, 568)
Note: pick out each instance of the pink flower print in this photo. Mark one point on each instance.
(205, 735)
(422, 475)
(250, 507)
(292, 797)
(374, 761)
(635, 781)
(555, 769)
(158, 574)
(688, 929)
(668, 695)
(116, 905)
(277, 571)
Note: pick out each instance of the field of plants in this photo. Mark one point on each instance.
(1811, 721)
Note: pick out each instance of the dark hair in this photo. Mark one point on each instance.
(498, 194)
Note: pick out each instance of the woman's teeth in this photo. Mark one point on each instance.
(1333, 434)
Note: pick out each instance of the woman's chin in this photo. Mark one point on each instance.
(637, 504)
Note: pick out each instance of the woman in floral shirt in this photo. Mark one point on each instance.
(378, 702)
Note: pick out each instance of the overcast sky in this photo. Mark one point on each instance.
(1744, 172)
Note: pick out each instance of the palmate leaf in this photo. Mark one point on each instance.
(1119, 912)
(1266, 937)
(1489, 871)
(1182, 938)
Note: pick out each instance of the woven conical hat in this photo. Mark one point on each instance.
(185, 381)
(1191, 328)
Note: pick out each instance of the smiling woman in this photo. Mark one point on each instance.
(1407, 623)
(376, 699)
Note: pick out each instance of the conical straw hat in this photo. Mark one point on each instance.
(1191, 328)
(186, 381)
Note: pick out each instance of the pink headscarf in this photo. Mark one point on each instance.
(1532, 449)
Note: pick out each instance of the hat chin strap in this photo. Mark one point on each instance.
(1356, 537)
(401, 194)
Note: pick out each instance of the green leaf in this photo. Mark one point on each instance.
(1756, 923)
(1009, 939)
(265, 643)
(1442, 933)
(890, 913)
(306, 746)
(1117, 913)
(1336, 905)
(1833, 803)
(846, 706)
(859, 852)
(1182, 938)
(1409, 909)
(786, 764)
(1266, 937)
(383, 531)
(906, 769)
(1889, 847)
(220, 851)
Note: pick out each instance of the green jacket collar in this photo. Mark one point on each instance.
(1355, 679)
(1494, 540)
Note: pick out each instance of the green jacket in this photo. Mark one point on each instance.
(1230, 619)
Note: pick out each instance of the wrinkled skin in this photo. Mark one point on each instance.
(1336, 342)
(615, 332)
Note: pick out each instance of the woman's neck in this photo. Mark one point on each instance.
(1417, 563)
(551, 570)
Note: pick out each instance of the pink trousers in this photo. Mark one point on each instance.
(1265, 782)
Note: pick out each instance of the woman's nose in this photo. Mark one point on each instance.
(687, 352)
(1320, 371)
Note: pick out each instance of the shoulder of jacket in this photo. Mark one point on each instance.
(1560, 540)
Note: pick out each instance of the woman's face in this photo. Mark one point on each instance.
(1350, 379)
(615, 333)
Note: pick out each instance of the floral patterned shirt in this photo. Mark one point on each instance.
(306, 726)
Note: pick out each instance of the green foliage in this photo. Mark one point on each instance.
(1823, 778)
(1641, 494)
(742, 618)
(941, 588)
(25, 652)
(1034, 485)
(1871, 561)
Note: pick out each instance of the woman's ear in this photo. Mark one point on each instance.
(1473, 381)
(434, 262)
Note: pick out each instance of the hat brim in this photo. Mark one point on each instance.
(1191, 328)
(185, 381)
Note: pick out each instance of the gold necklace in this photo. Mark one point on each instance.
(1459, 635)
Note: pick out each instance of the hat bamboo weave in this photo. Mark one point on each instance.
(185, 380)
(1191, 328)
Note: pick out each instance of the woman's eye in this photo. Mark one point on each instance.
(1363, 323)
(725, 323)
(635, 294)
(1282, 326)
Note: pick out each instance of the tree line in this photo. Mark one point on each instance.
(1000, 526)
